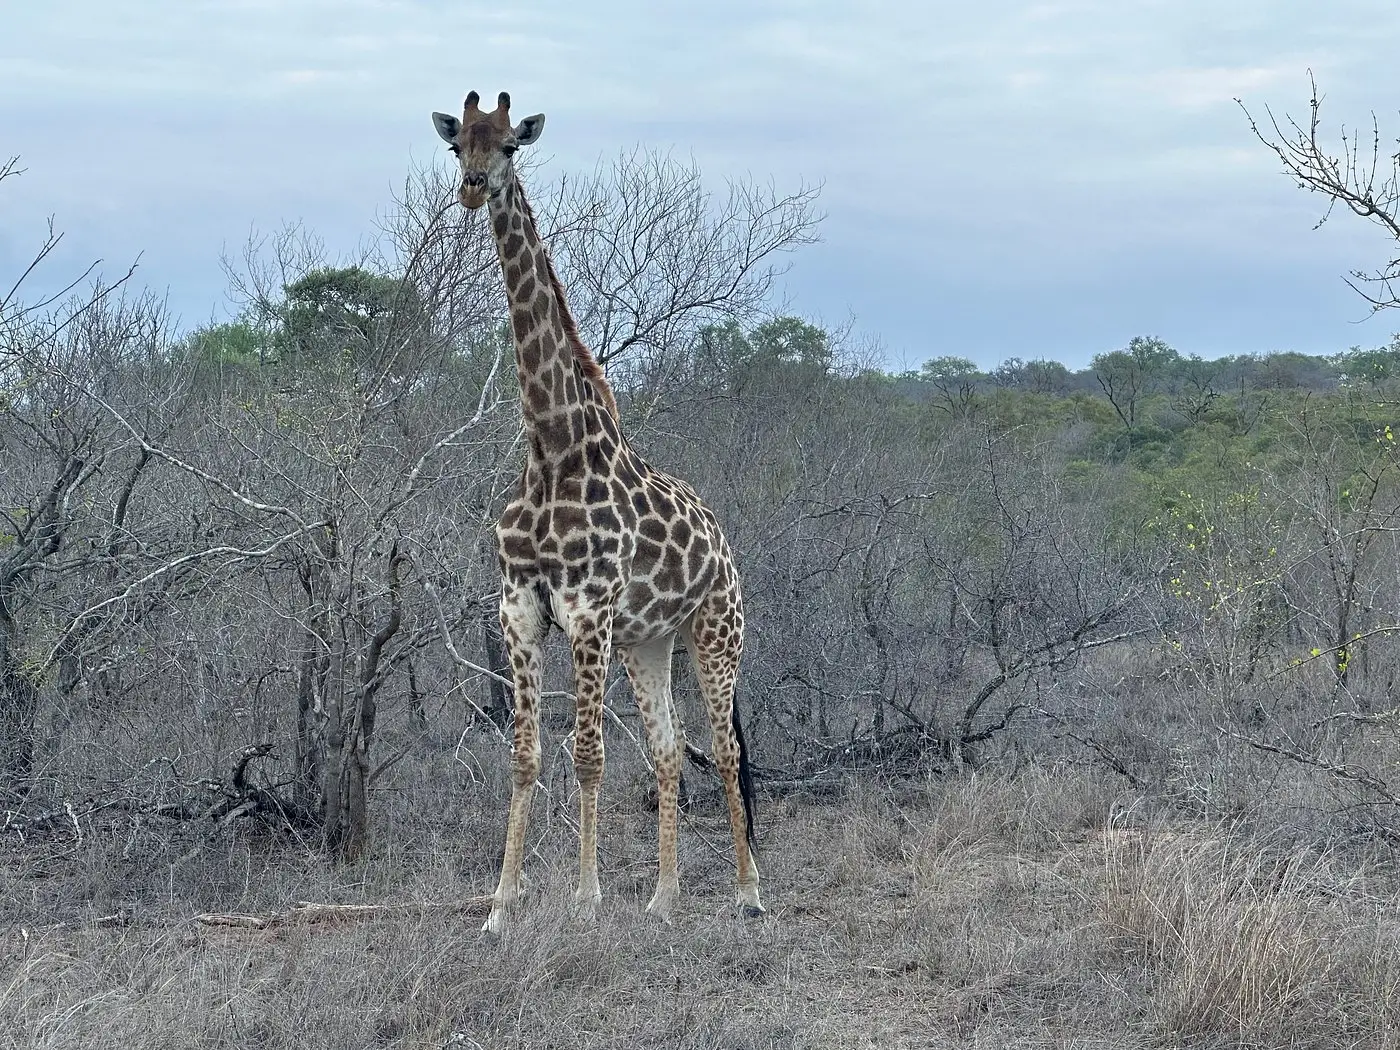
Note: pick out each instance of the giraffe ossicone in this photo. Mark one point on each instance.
(619, 555)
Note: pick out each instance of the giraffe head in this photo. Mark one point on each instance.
(484, 144)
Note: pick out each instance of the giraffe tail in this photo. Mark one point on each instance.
(745, 775)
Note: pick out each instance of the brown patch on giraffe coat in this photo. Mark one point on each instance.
(600, 546)
(517, 547)
(695, 562)
(529, 354)
(648, 554)
(555, 430)
(569, 519)
(664, 607)
(597, 462)
(571, 465)
(604, 517)
(576, 572)
(670, 575)
(640, 593)
(596, 492)
(681, 531)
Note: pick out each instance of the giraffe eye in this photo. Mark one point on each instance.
(509, 149)
(455, 149)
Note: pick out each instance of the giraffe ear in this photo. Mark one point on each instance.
(447, 126)
(528, 130)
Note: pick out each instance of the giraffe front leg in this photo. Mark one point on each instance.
(590, 638)
(523, 625)
(649, 668)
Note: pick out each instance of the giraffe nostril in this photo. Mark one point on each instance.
(475, 179)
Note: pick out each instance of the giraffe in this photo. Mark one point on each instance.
(597, 542)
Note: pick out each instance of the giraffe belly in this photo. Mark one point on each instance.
(639, 614)
(662, 592)
(637, 618)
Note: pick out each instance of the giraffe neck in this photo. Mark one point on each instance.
(562, 388)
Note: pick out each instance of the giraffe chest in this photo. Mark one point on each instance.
(650, 552)
(566, 545)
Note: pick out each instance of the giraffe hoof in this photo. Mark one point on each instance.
(495, 925)
(503, 906)
(661, 903)
(754, 911)
(586, 904)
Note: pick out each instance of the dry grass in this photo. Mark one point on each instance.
(1253, 946)
(977, 912)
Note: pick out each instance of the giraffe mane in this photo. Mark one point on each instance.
(583, 357)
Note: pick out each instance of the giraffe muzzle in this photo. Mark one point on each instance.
(473, 192)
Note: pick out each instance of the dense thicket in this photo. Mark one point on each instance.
(247, 570)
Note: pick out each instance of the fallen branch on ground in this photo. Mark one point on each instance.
(219, 802)
(308, 913)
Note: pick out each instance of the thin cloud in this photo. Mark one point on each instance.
(1004, 152)
(1200, 88)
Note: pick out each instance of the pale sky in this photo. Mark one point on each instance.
(1001, 178)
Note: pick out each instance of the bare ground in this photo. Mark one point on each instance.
(995, 911)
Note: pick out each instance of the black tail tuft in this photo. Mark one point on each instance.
(745, 775)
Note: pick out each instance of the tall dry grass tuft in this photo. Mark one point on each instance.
(1247, 945)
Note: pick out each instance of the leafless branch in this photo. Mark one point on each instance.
(1356, 177)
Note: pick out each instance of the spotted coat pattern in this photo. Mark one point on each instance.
(616, 553)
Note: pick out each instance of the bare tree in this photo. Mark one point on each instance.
(385, 407)
(1130, 375)
(1363, 175)
(61, 458)
(1038, 582)
(1345, 493)
(650, 255)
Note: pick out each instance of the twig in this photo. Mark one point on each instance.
(1341, 772)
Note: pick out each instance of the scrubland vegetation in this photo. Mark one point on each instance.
(1071, 693)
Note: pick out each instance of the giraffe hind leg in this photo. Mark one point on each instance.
(649, 668)
(715, 642)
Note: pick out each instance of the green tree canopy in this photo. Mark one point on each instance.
(1129, 375)
(350, 315)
